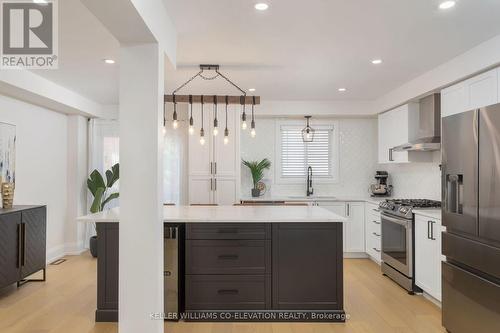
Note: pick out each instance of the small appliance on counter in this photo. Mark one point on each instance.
(381, 188)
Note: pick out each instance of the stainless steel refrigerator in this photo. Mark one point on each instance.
(471, 215)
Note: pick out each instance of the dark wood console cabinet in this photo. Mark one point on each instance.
(23, 231)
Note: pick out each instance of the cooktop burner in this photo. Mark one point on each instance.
(403, 207)
(416, 203)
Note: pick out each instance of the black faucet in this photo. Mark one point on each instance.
(309, 183)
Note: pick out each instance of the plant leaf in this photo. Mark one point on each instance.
(97, 180)
(96, 204)
(109, 198)
(257, 169)
(113, 175)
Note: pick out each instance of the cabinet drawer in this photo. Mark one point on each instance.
(373, 226)
(228, 256)
(228, 292)
(228, 231)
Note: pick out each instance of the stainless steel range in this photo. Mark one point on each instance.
(398, 239)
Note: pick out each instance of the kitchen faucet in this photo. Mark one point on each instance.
(309, 182)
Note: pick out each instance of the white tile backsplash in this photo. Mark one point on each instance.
(358, 159)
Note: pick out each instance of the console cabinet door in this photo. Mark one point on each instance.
(307, 266)
(34, 224)
(9, 250)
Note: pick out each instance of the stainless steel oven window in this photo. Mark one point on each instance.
(397, 244)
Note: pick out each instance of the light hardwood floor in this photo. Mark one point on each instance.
(66, 304)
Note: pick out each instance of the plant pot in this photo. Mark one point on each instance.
(93, 246)
(255, 192)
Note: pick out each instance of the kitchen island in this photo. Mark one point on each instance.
(241, 263)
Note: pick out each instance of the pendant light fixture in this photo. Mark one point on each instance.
(216, 122)
(243, 115)
(191, 121)
(175, 123)
(202, 131)
(252, 124)
(226, 131)
(308, 131)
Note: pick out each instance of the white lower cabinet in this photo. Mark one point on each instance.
(373, 232)
(428, 255)
(354, 228)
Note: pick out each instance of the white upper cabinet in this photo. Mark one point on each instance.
(477, 92)
(395, 129)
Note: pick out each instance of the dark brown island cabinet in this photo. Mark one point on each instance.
(242, 269)
(23, 231)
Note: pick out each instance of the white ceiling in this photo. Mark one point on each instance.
(296, 50)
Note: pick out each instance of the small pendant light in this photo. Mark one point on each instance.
(202, 131)
(216, 122)
(252, 124)
(175, 123)
(226, 131)
(308, 131)
(244, 115)
(191, 121)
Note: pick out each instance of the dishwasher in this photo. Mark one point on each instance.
(173, 271)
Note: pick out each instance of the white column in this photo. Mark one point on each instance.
(76, 182)
(141, 227)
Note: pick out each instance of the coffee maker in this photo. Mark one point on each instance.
(381, 188)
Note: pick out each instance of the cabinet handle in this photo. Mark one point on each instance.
(378, 235)
(19, 244)
(215, 182)
(348, 210)
(432, 230)
(215, 172)
(211, 168)
(228, 256)
(376, 249)
(211, 184)
(376, 210)
(24, 243)
(227, 291)
(376, 222)
(390, 155)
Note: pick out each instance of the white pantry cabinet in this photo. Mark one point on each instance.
(428, 255)
(354, 228)
(395, 129)
(214, 168)
(478, 91)
(373, 232)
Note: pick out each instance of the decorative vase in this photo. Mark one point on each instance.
(255, 192)
(93, 246)
(7, 195)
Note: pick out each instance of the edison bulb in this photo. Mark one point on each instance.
(308, 135)
(252, 133)
(226, 140)
(202, 140)
(216, 131)
(175, 124)
(164, 130)
(191, 130)
(244, 125)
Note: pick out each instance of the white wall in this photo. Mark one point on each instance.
(416, 180)
(41, 164)
(357, 155)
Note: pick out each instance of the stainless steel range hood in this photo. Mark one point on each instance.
(425, 131)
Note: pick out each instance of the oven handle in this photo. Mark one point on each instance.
(398, 221)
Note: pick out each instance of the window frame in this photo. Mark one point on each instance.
(334, 151)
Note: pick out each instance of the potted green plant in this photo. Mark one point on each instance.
(99, 189)
(257, 170)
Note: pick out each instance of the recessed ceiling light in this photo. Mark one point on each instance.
(109, 61)
(261, 6)
(447, 4)
(342, 89)
(40, 1)
(376, 61)
(251, 89)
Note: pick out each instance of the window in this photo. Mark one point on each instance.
(295, 156)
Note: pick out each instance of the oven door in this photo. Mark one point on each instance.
(397, 244)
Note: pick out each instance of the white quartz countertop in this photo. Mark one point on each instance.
(230, 214)
(431, 213)
(314, 198)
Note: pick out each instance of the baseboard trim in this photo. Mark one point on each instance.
(355, 255)
(54, 253)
